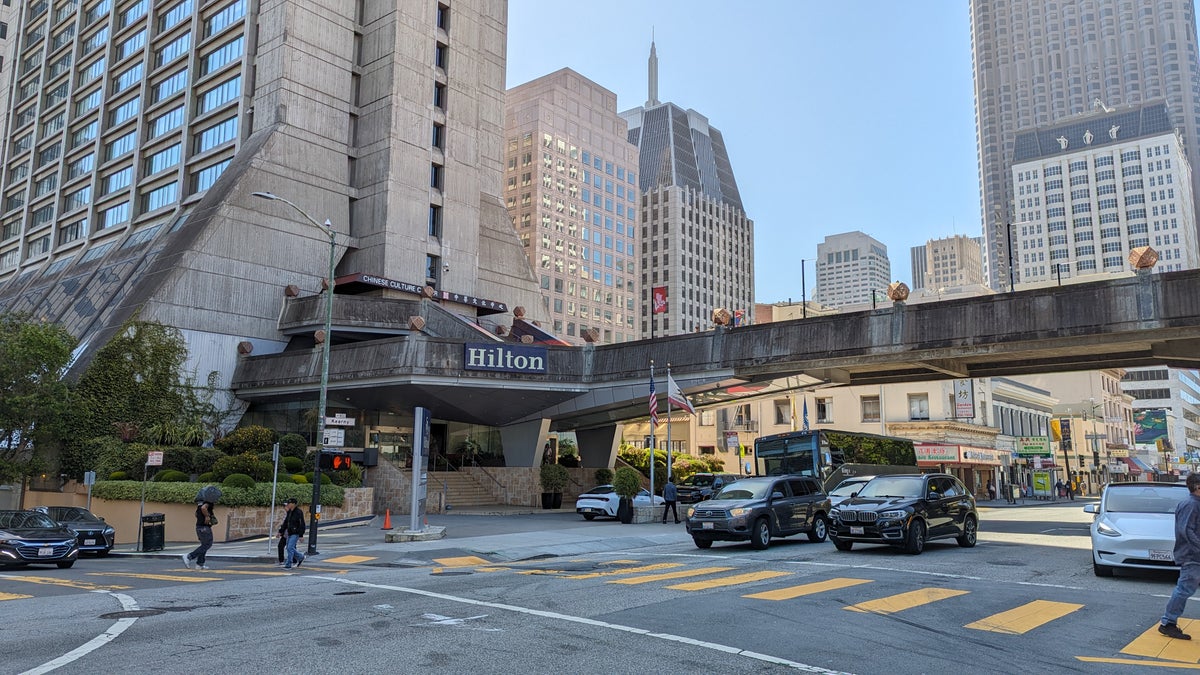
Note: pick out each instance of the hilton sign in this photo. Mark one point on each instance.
(504, 358)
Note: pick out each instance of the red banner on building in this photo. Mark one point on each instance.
(659, 297)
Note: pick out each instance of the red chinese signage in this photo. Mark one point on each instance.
(659, 297)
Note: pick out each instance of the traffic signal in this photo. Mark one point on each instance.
(334, 461)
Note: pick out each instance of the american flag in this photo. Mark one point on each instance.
(653, 405)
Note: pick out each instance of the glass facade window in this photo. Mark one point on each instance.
(218, 134)
(128, 78)
(170, 86)
(118, 181)
(114, 215)
(168, 121)
(175, 14)
(134, 12)
(121, 145)
(83, 165)
(90, 101)
(164, 159)
(131, 45)
(78, 198)
(227, 53)
(127, 110)
(95, 41)
(220, 94)
(224, 18)
(207, 176)
(174, 49)
(161, 196)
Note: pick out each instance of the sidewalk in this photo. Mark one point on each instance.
(495, 534)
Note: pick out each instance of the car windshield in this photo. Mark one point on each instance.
(698, 480)
(745, 489)
(847, 488)
(15, 520)
(893, 486)
(1149, 499)
(65, 513)
(600, 490)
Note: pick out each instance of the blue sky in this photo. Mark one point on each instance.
(852, 115)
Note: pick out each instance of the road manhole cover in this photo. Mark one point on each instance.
(132, 614)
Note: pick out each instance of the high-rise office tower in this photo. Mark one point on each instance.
(1095, 187)
(1038, 62)
(953, 261)
(570, 186)
(140, 131)
(852, 269)
(919, 268)
(697, 243)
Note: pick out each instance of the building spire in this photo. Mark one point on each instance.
(652, 67)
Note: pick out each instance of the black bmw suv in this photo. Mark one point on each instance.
(906, 511)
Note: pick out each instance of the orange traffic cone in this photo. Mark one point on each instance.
(387, 519)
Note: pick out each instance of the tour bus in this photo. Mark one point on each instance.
(830, 455)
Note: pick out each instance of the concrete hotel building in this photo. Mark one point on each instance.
(947, 262)
(570, 186)
(850, 267)
(696, 239)
(1093, 188)
(1039, 61)
(141, 129)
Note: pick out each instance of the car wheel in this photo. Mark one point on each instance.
(589, 516)
(820, 529)
(1102, 570)
(842, 545)
(702, 543)
(760, 536)
(65, 565)
(969, 534)
(914, 543)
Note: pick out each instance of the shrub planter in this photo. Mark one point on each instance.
(625, 510)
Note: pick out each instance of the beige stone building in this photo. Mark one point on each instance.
(570, 187)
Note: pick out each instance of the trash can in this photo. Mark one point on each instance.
(153, 531)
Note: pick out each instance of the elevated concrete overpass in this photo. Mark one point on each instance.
(1135, 321)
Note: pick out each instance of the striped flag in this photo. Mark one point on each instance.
(805, 413)
(653, 405)
(675, 395)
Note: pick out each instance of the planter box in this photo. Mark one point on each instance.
(647, 514)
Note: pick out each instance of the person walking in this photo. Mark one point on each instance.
(991, 490)
(205, 519)
(1187, 556)
(293, 525)
(282, 538)
(670, 495)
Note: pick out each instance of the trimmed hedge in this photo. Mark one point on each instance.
(171, 476)
(238, 480)
(185, 493)
(292, 464)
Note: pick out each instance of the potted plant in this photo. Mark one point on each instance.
(626, 483)
(553, 479)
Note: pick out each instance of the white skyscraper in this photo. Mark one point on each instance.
(850, 267)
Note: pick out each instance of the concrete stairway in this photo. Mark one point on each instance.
(462, 490)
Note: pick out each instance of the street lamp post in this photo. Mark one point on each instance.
(327, 229)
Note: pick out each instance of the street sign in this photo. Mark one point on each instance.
(334, 437)
(154, 458)
(339, 421)
(89, 477)
(1031, 446)
(731, 440)
(964, 400)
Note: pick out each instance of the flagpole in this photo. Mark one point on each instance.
(669, 393)
(652, 443)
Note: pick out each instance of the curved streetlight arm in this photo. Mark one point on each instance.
(327, 228)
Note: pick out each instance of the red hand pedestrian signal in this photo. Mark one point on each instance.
(334, 461)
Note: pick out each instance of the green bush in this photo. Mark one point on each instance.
(603, 476)
(571, 461)
(179, 458)
(299, 479)
(185, 493)
(247, 439)
(245, 463)
(553, 478)
(113, 455)
(292, 464)
(238, 480)
(117, 475)
(208, 477)
(171, 476)
(203, 459)
(351, 477)
(626, 482)
(293, 445)
(325, 479)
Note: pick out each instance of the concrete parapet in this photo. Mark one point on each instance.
(428, 534)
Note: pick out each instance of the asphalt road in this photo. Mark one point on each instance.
(1024, 600)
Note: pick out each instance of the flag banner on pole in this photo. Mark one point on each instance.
(659, 294)
(675, 395)
(653, 405)
(805, 422)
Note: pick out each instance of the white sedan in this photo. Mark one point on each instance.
(602, 500)
(1135, 526)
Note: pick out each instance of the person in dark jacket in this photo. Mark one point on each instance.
(670, 495)
(1187, 556)
(204, 523)
(282, 539)
(293, 524)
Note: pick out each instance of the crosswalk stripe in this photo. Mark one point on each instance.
(623, 570)
(728, 581)
(695, 572)
(902, 601)
(13, 596)
(81, 585)
(1021, 620)
(352, 559)
(1154, 644)
(156, 577)
(807, 589)
(461, 561)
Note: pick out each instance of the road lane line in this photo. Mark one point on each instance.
(1156, 645)
(623, 570)
(51, 581)
(156, 577)
(645, 579)
(728, 581)
(714, 646)
(1137, 662)
(807, 589)
(127, 603)
(1021, 620)
(13, 596)
(902, 601)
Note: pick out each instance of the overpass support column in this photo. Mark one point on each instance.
(523, 443)
(598, 447)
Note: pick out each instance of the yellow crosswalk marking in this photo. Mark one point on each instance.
(1139, 662)
(807, 589)
(156, 577)
(1153, 644)
(623, 570)
(1021, 620)
(902, 601)
(254, 573)
(13, 596)
(352, 559)
(81, 585)
(461, 561)
(728, 581)
(670, 575)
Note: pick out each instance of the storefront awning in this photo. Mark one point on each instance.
(1144, 466)
(1134, 469)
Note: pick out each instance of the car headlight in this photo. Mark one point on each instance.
(691, 511)
(739, 512)
(109, 530)
(893, 515)
(1106, 529)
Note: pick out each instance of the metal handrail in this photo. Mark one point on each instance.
(502, 485)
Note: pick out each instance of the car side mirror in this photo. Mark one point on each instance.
(776, 495)
(853, 494)
(1090, 508)
(932, 495)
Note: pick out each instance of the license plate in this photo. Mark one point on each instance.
(856, 530)
(1162, 555)
(706, 526)
(45, 552)
(89, 542)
